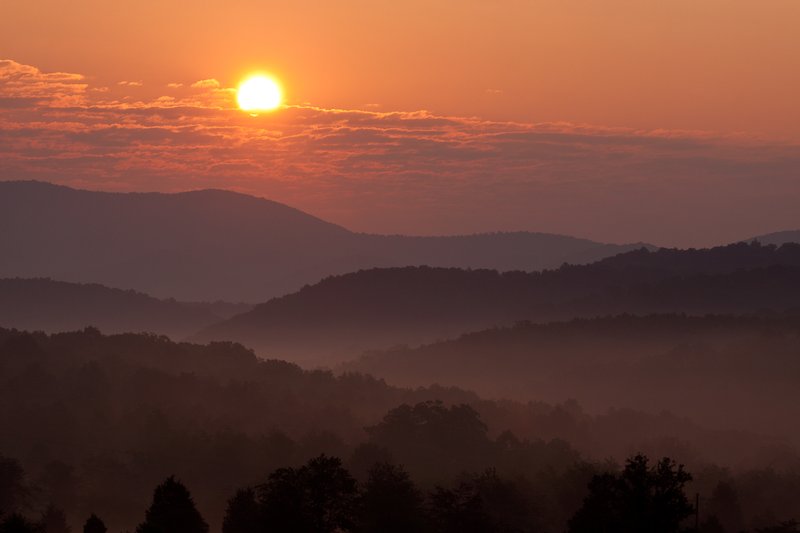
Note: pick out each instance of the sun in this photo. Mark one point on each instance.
(259, 93)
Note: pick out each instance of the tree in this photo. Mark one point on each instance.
(390, 502)
(94, 525)
(54, 520)
(321, 496)
(641, 498)
(172, 511)
(243, 514)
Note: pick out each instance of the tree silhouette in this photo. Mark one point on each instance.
(243, 514)
(94, 525)
(641, 498)
(172, 511)
(321, 497)
(390, 502)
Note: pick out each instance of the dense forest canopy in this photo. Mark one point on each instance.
(84, 412)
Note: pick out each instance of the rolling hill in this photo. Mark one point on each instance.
(343, 315)
(53, 306)
(219, 245)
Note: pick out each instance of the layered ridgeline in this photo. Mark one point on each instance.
(341, 316)
(52, 306)
(219, 245)
(84, 412)
(722, 371)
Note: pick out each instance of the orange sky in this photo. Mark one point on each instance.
(717, 65)
(618, 120)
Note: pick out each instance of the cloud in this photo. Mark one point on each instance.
(18, 81)
(130, 83)
(204, 84)
(410, 172)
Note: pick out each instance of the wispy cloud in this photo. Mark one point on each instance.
(400, 171)
(204, 84)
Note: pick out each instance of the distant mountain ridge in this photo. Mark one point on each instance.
(220, 245)
(344, 315)
(777, 238)
(55, 306)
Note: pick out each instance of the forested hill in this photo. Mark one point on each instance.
(343, 315)
(52, 306)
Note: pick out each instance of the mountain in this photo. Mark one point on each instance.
(219, 245)
(341, 316)
(778, 238)
(721, 371)
(52, 306)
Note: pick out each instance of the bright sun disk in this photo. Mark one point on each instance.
(259, 93)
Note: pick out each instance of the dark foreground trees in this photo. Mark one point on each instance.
(94, 525)
(641, 498)
(172, 511)
(390, 502)
(319, 496)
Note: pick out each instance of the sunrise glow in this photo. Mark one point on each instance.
(259, 93)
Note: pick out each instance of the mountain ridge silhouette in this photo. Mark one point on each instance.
(214, 244)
